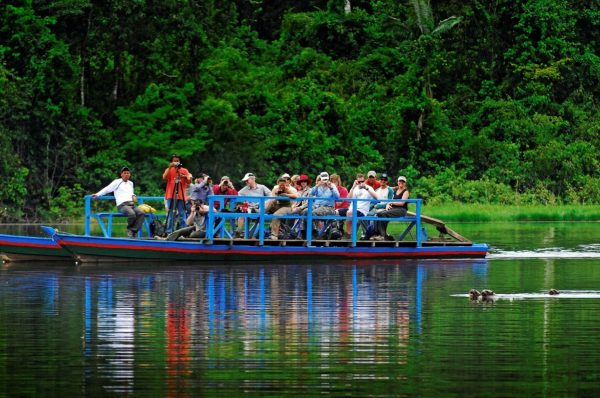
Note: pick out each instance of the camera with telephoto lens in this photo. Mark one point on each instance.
(178, 165)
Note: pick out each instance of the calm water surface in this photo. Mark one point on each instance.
(347, 329)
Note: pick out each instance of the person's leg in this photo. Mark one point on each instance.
(130, 214)
(170, 216)
(276, 222)
(139, 219)
(182, 214)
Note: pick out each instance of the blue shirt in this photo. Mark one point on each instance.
(325, 192)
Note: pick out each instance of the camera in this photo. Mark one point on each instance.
(178, 165)
(197, 208)
(279, 193)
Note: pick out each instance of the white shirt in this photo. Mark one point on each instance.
(361, 193)
(123, 190)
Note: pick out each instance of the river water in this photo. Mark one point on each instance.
(403, 328)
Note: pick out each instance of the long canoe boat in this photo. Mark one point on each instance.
(221, 244)
(87, 249)
(14, 248)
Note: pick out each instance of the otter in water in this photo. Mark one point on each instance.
(474, 294)
(487, 294)
(553, 292)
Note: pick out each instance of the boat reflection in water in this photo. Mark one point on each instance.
(157, 330)
(184, 329)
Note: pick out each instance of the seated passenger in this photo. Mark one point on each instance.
(383, 192)
(325, 190)
(372, 180)
(251, 189)
(225, 187)
(201, 188)
(280, 206)
(304, 182)
(196, 222)
(359, 190)
(398, 208)
(337, 181)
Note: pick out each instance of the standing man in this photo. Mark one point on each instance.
(125, 200)
(177, 178)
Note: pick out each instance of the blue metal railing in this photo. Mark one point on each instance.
(105, 219)
(217, 220)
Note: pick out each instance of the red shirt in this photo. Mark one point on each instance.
(343, 194)
(217, 191)
(183, 183)
(372, 182)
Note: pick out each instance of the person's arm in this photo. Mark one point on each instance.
(107, 189)
(290, 193)
(166, 172)
(372, 192)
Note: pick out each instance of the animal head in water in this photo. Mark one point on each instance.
(474, 294)
(553, 292)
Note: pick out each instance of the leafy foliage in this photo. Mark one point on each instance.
(476, 102)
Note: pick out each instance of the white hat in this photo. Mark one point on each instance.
(247, 176)
(372, 173)
(285, 175)
(324, 176)
(402, 178)
(224, 178)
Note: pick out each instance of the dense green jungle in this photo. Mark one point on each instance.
(476, 101)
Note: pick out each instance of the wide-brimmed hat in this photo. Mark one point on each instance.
(402, 178)
(285, 175)
(371, 173)
(324, 176)
(303, 177)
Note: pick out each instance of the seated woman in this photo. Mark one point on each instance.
(398, 208)
(196, 222)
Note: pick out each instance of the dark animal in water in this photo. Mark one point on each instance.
(553, 292)
(474, 294)
(486, 294)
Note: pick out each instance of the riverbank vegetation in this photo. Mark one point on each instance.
(476, 102)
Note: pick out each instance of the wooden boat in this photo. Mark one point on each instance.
(101, 249)
(15, 248)
(220, 244)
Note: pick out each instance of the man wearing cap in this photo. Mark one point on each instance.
(359, 190)
(225, 187)
(125, 200)
(251, 189)
(326, 190)
(177, 178)
(372, 180)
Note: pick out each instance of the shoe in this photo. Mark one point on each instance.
(273, 237)
(390, 238)
(130, 234)
(238, 235)
(377, 237)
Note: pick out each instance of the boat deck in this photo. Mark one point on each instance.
(326, 243)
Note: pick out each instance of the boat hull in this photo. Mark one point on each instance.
(100, 249)
(16, 248)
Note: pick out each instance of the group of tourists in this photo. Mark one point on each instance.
(186, 199)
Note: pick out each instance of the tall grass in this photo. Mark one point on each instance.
(459, 212)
